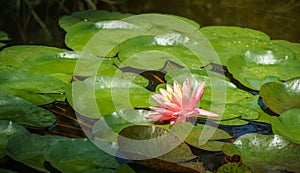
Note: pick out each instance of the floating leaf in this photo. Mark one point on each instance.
(194, 138)
(124, 168)
(79, 155)
(66, 22)
(233, 122)
(101, 38)
(30, 149)
(263, 153)
(287, 125)
(234, 168)
(15, 55)
(217, 32)
(8, 129)
(23, 112)
(99, 96)
(156, 144)
(280, 97)
(108, 127)
(4, 67)
(152, 52)
(264, 62)
(34, 87)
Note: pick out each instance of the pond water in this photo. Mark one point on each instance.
(35, 22)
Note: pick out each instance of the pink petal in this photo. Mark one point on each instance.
(197, 93)
(172, 106)
(186, 94)
(206, 113)
(165, 94)
(159, 99)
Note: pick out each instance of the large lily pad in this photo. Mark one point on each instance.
(102, 95)
(66, 22)
(165, 152)
(79, 155)
(30, 149)
(263, 62)
(263, 153)
(288, 125)
(24, 112)
(60, 65)
(152, 51)
(34, 87)
(8, 129)
(194, 138)
(101, 38)
(108, 127)
(217, 32)
(15, 55)
(281, 96)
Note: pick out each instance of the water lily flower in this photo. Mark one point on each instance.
(177, 103)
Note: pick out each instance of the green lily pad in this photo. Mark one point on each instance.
(153, 142)
(152, 51)
(66, 22)
(34, 87)
(101, 38)
(15, 55)
(124, 168)
(8, 129)
(234, 168)
(194, 138)
(264, 62)
(263, 153)
(217, 32)
(159, 152)
(4, 67)
(287, 125)
(233, 122)
(30, 149)
(24, 112)
(60, 65)
(99, 96)
(281, 96)
(220, 93)
(79, 155)
(108, 127)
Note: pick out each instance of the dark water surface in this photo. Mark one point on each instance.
(35, 22)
